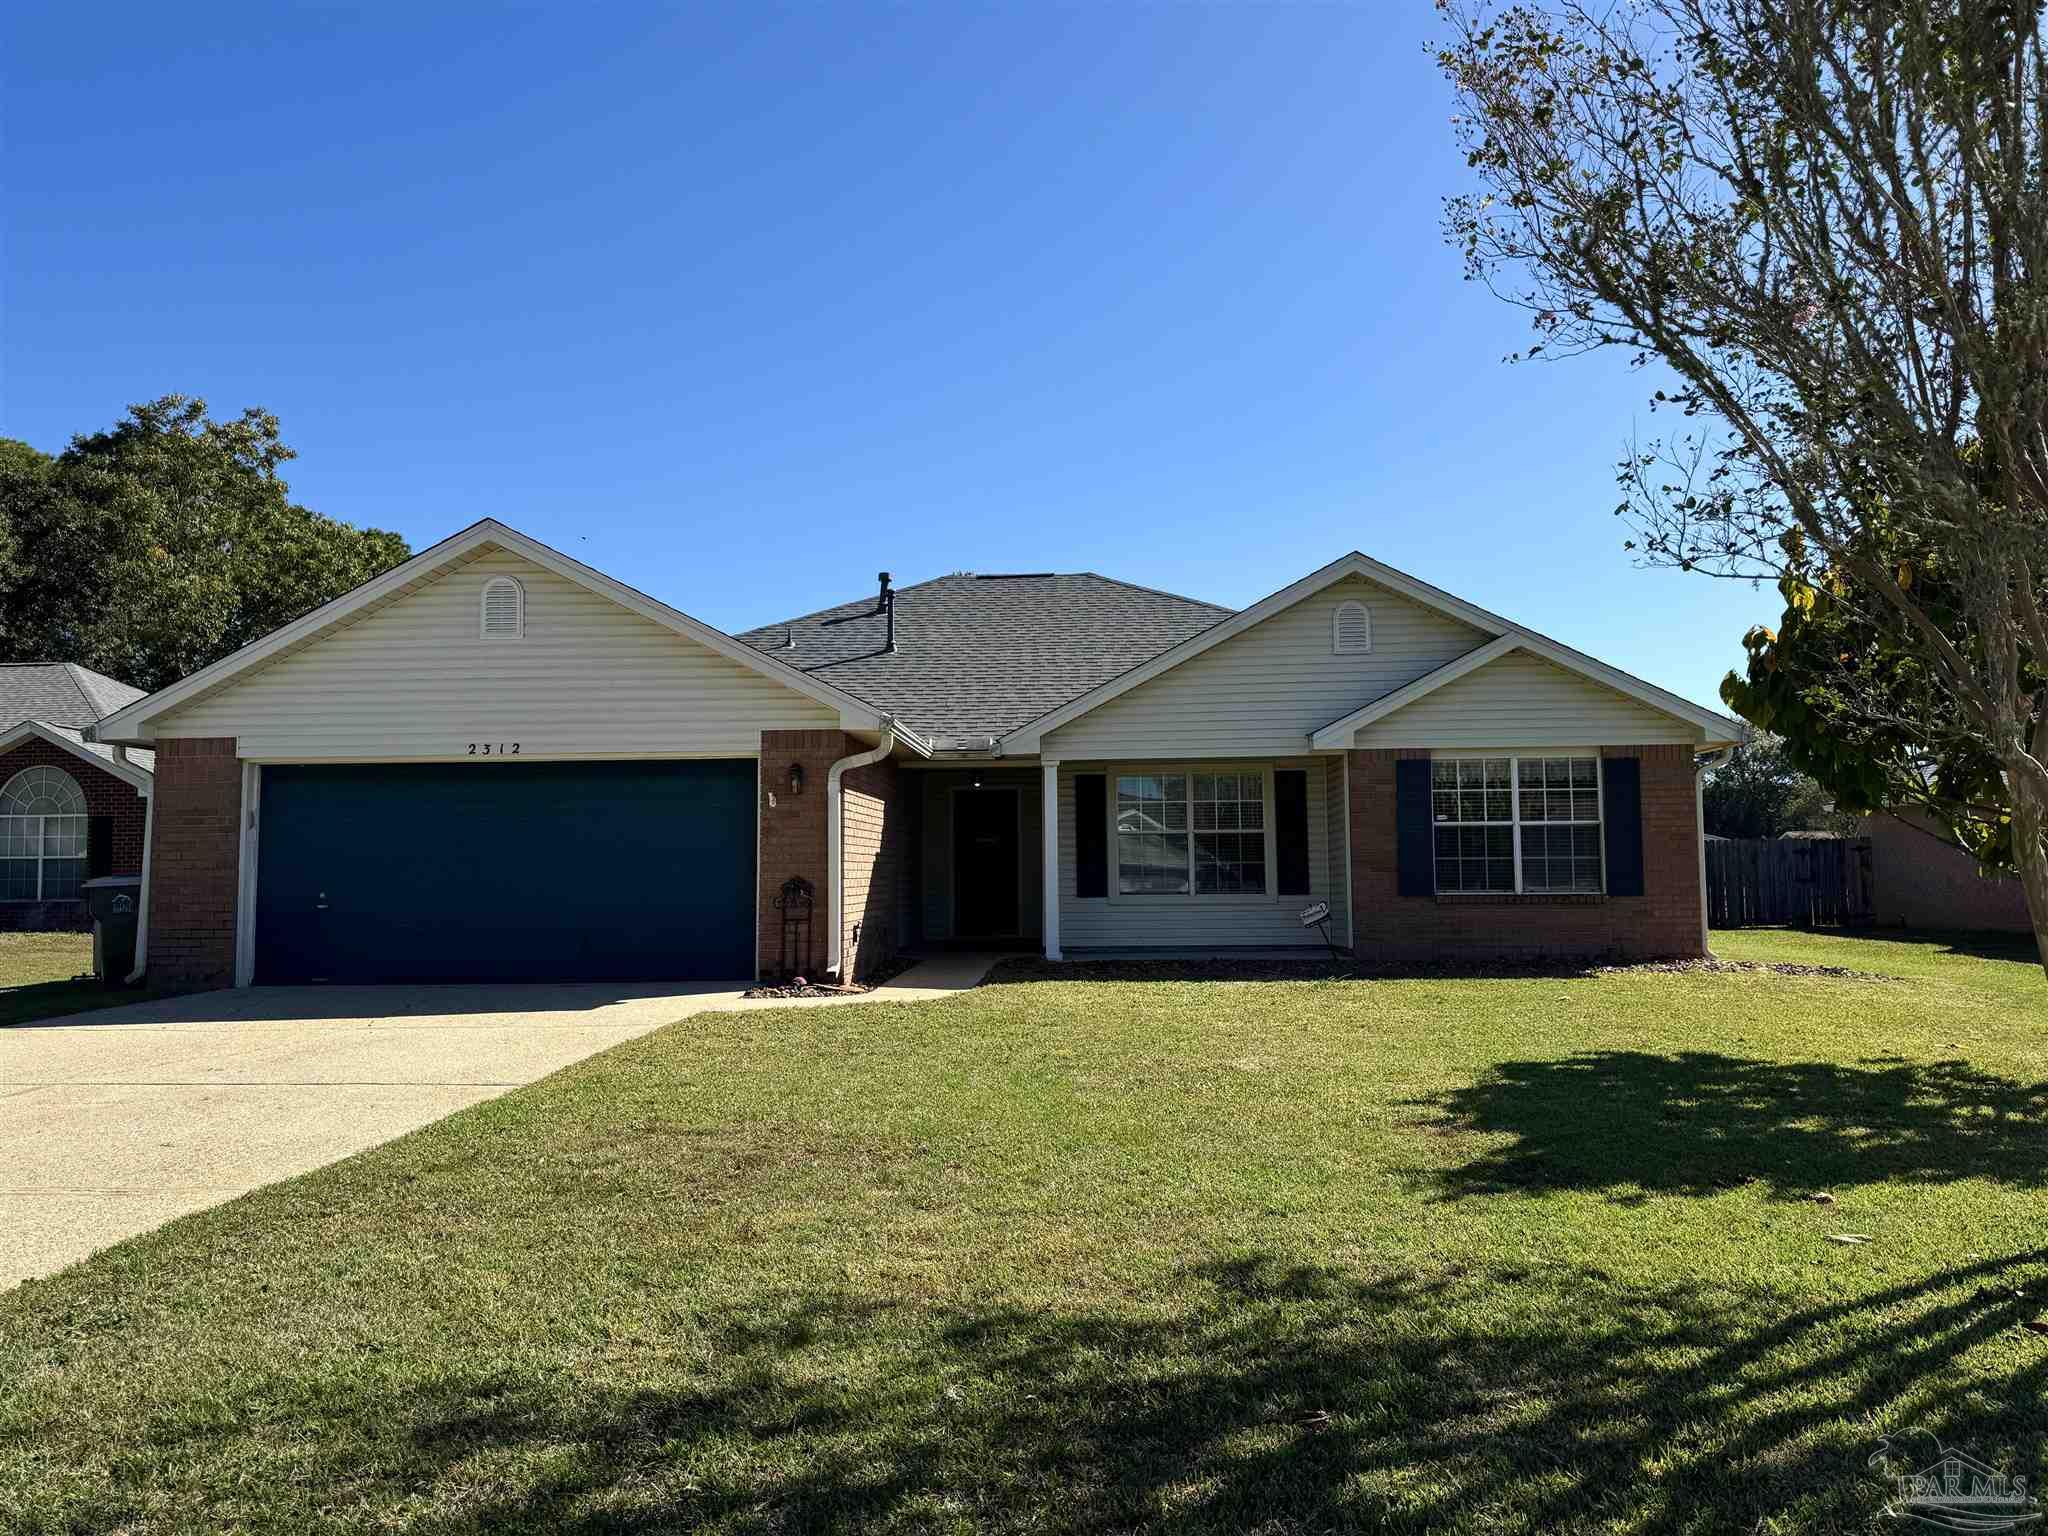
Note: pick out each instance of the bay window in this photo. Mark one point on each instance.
(1191, 833)
(1517, 825)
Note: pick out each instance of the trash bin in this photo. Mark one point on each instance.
(112, 900)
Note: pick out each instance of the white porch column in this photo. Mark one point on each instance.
(1050, 880)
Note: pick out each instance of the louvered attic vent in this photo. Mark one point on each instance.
(504, 609)
(1351, 629)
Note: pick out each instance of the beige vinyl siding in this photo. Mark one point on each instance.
(1522, 700)
(936, 790)
(1264, 691)
(412, 679)
(1152, 922)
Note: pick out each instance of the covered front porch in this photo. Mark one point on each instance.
(1206, 855)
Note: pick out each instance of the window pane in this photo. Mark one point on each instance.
(1585, 805)
(1531, 773)
(1499, 805)
(1443, 773)
(61, 878)
(1446, 802)
(64, 836)
(1585, 773)
(17, 879)
(18, 836)
(1152, 862)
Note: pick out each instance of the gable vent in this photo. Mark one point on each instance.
(504, 609)
(1351, 629)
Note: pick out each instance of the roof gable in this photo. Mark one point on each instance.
(1029, 738)
(133, 723)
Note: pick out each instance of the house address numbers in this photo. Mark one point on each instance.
(493, 749)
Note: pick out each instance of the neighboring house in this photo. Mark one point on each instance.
(1920, 879)
(70, 809)
(496, 762)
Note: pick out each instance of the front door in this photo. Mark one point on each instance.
(985, 863)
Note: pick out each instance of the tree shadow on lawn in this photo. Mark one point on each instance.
(1268, 1397)
(1700, 1122)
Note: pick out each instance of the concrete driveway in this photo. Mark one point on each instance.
(114, 1122)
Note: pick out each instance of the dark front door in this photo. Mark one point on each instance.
(985, 863)
(606, 871)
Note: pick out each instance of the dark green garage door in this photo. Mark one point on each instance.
(506, 872)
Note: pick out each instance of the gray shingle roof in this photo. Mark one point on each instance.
(65, 696)
(981, 655)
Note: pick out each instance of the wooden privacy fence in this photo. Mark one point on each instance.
(1811, 881)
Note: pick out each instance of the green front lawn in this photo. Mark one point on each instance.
(45, 974)
(1513, 1254)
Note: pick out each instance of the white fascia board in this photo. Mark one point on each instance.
(132, 774)
(1717, 728)
(1338, 732)
(131, 725)
(1026, 737)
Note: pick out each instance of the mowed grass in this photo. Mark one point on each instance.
(46, 974)
(1484, 1254)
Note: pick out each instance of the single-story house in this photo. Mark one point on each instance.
(70, 809)
(494, 762)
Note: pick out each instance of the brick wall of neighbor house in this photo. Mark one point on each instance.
(1664, 921)
(872, 844)
(105, 795)
(793, 843)
(193, 863)
(1919, 879)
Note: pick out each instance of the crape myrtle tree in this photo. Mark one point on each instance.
(1826, 223)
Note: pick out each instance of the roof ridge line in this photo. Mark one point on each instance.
(1137, 586)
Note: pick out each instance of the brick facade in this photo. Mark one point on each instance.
(1664, 921)
(871, 844)
(105, 795)
(793, 843)
(193, 865)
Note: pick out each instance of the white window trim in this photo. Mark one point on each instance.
(1514, 757)
(41, 819)
(1336, 631)
(1116, 770)
(483, 603)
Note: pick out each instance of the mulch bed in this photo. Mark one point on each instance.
(881, 975)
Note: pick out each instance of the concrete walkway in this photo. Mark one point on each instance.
(116, 1121)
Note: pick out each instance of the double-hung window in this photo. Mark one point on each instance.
(1508, 825)
(1199, 833)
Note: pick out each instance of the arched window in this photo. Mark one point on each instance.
(1351, 629)
(504, 609)
(42, 836)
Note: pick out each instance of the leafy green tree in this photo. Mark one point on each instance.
(153, 548)
(1759, 792)
(1828, 221)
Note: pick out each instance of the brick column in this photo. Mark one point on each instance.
(793, 837)
(194, 862)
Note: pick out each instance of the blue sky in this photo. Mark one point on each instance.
(744, 303)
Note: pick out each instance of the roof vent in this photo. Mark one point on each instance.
(1350, 629)
(503, 615)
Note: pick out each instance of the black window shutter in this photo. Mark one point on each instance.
(1623, 811)
(1414, 841)
(1290, 827)
(1091, 836)
(99, 846)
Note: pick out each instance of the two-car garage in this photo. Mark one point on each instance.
(506, 871)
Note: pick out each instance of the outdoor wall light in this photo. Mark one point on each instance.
(796, 778)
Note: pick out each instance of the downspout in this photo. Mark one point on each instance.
(1700, 767)
(142, 906)
(835, 837)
